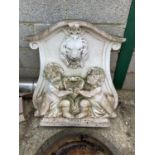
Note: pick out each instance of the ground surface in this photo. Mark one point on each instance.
(120, 134)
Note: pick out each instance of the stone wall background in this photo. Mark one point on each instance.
(37, 15)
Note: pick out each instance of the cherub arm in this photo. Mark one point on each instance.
(60, 93)
(63, 93)
(90, 93)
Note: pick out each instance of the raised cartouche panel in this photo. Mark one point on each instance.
(75, 86)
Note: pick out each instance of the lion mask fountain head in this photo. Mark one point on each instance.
(74, 51)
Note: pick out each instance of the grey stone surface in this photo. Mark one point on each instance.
(120, 134)
(113, 61)
(49, 11)
(98, 11)
(112, 75)
(25, 29)
(129, 82)
(39, 27)
(28, 58)
(131, 68)
(28, 63)
(126, 96)
(28, 73)
(95, 11)
(116, 30)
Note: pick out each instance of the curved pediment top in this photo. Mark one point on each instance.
(74, 23)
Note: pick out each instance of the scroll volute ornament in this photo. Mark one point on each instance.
(75, 86)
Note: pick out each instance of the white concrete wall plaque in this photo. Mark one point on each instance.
(75, 86)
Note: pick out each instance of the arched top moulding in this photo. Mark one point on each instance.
(77, 24)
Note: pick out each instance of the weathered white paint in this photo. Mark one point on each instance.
(99, 46)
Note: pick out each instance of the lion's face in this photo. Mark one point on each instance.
(74, 50)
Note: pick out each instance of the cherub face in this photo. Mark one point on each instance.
(95, 76)
(58, 84)
(56, 76)
(54, 73)
(93, 79)
(56, 80)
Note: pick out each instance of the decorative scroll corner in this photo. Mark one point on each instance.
(116, 46)
(34, 45)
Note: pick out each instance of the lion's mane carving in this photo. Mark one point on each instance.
(73, 50)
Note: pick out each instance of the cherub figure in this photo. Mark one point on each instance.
(55, 91)
(96, 102)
